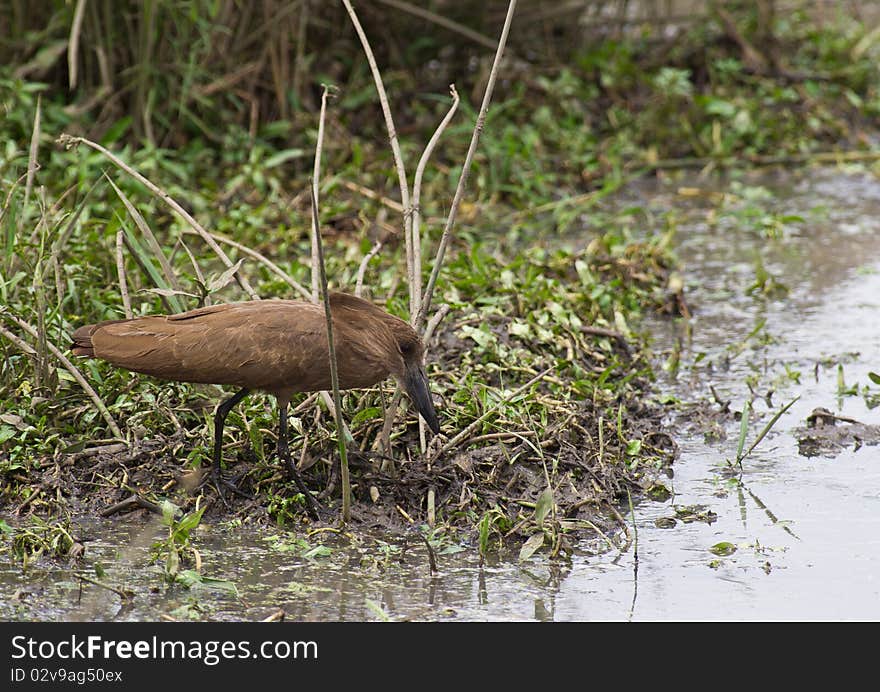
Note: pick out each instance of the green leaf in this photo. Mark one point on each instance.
(167, 270)
(169, 509)
(543, 506)
(484, 534)
(317, 551)
(722, 549)
(190, 578)
(187, 524)
(216, 283)
(743, 430)
(282, 156)
(146, 263)
(633, 447)
(116, 131)
(530, 546)
(875, 378)
(483, 338)
(378, 611)
(369, 413)
(518, 328)
(716, 106)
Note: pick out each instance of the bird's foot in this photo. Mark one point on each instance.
(313, 507)
(221, 485)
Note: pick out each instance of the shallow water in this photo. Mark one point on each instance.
(807, 530)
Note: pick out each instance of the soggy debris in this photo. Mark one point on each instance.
(827, 434)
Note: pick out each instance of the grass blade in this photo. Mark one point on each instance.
(769, 425)
(743, 430)
(140, 222)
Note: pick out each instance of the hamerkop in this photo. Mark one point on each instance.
(276, 346)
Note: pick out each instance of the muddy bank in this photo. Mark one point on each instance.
(534, 456)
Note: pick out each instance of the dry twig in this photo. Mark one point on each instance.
(459, 190)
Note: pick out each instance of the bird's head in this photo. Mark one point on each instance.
(413, 379)
(406, 347)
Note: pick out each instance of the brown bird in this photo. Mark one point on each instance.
(276, 346)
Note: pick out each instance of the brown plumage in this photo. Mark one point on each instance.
(276, 346)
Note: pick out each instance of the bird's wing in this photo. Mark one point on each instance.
(252, 344)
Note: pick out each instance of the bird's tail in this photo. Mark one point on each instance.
(82, 338)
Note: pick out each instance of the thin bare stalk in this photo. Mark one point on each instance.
(438, 316)
(316, 177)
(123, 282)
(197, 269)
(395, 147)
(334, 373)
(70, 141)
(362, 269)
(146, 231)
(764, 430)
(416, 290)
(390, 414)
(262, 259)
(372, 194)
(459, 190)
(32, 155)
(61, 239)
(436, 319)
(73, 42)
(72, 369)
(22, 345)
(38, 288)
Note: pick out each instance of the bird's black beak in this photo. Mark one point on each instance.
(416, 385)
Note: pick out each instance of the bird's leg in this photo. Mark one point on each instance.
(219, 420)
(284, 455)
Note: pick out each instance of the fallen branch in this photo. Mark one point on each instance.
(130, 503)
(125, 595)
